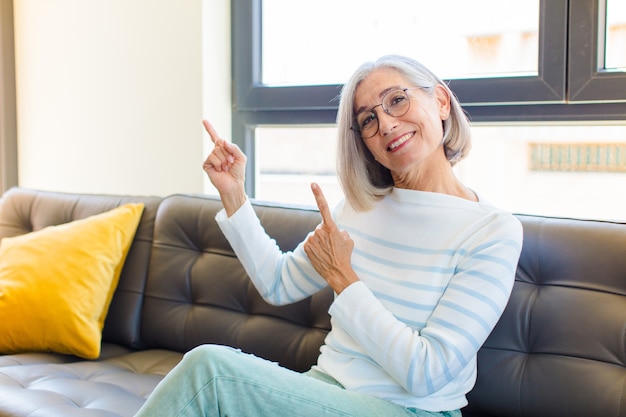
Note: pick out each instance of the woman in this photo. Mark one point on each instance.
(422, 268)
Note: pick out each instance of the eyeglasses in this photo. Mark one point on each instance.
(395, 103)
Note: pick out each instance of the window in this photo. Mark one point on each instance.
(306, 154)
(357, 32)
(615, 35)
(567, 170)
(549, 169)
(546, 86)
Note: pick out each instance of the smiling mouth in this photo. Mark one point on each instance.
(402, 139)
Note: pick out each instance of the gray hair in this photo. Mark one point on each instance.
(362, 178)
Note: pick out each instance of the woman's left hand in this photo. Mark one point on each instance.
(330, 249)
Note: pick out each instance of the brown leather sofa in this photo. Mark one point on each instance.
(559, 349)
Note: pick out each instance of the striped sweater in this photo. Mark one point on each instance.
(435, 272)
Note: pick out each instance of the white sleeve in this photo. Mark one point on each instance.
(280, 277)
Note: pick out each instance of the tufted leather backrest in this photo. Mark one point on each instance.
(560, 346)
(23, 210)
(198, 292)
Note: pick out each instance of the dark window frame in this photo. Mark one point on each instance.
(588, 81)
(570, 86)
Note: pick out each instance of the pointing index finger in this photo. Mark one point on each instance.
(211, 131)
(322, 204)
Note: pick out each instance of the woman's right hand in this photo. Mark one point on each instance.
(226, 168)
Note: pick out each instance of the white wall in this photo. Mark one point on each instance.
(110, 92)
(217, 74)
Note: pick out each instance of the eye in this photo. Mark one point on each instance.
(366, 121)
(396, 99)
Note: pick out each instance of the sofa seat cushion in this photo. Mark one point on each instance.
(108, 350)
(117, 386)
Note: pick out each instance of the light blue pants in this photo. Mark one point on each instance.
(220, 381)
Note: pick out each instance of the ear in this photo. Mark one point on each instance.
(442, 96)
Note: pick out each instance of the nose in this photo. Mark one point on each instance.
(386, 123)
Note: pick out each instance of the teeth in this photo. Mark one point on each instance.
(400, 141)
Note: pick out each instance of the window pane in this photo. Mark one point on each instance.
(324, 43)
(615, 52)
(288, 159)
(554, 170)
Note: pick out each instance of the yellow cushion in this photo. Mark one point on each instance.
(56, 284)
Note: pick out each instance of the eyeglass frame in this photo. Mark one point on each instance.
(371, 110)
